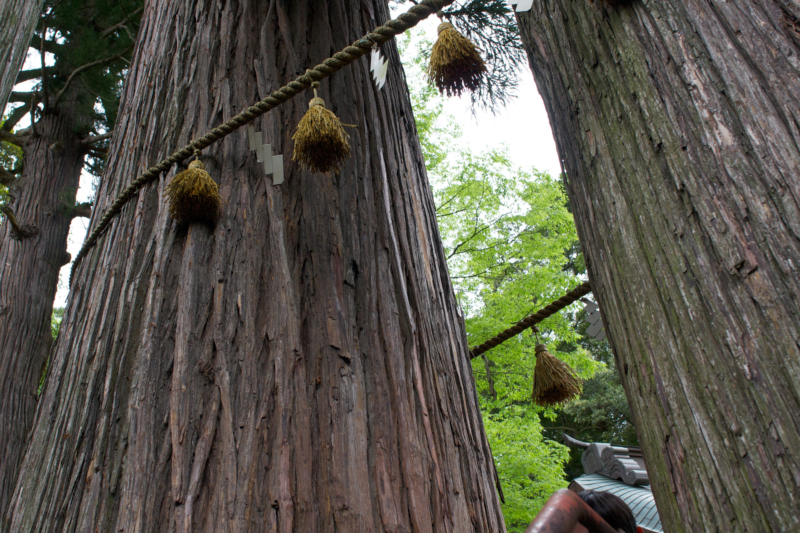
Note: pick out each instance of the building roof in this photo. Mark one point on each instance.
(616, 462)
(638, 498)
(620, 471)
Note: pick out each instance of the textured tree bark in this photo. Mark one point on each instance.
(299, 367)
(29, 271)
(17, 21)
(677, 123)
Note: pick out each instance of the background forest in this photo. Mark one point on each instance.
(511, 246)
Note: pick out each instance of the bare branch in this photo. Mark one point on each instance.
(120, 24)
(97, 138)
(16, 140)
(83, 210)
(98, 152)
(81, 69)
(18, 232)
(42, 70)
(21, 96)
(7, 178)
(15, 117)
(28, 75)
(49, 46)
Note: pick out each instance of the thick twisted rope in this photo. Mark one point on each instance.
(380, 35)
(530, 320)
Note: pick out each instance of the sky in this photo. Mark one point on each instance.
(522, 128)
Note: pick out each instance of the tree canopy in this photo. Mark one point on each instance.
(84, 50)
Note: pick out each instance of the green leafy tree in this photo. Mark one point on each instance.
(55, 322)
(510, 245)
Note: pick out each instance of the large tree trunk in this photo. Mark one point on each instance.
(29, 269)
(299, 367)
(17, 22)
(677, 121)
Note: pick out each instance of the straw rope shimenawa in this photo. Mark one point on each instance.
(380, 35)
(455, 63)
(553, 308)
(193, 195)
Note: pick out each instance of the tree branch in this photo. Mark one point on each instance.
(16, 140)
(114, 28)
(7, 178)
(28, 75)
(83, 210)
(49, 46)
(18, 232)
(81, 69)
(15, 117)
(21, 96)
(42, 58)
(34, 104)
(489, 377)
(97, 138)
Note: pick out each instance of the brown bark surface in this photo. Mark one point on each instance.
(17, 21)
(299, 367)
(677, 123)
(29, 271)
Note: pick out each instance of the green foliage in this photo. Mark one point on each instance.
(510, 245)
(80, 33)
(10, 155)
(602, 411)
(55, 321)
(88, 46)
(529, 467)
(55, 326)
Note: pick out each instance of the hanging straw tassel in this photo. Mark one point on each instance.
(193, 195)
(320, 143)
(554, 382)
(455, 62)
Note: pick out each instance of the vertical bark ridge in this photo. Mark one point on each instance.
(315, 324)
(677, 126)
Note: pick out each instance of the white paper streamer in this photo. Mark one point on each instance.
(595, 328)
(379, 67)
(272, 164)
